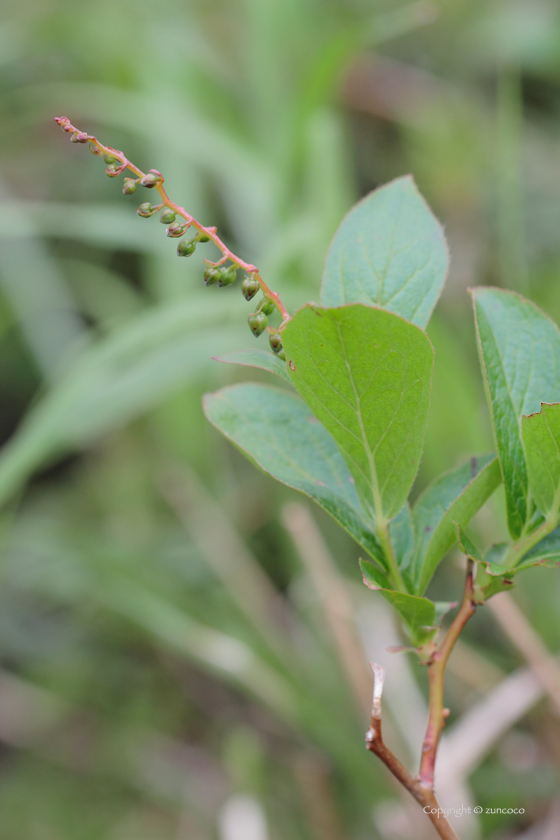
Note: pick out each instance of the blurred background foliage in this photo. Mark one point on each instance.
(181, 656)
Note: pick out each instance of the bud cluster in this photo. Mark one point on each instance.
(214, 273)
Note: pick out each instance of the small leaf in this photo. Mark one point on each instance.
(389, 251)
(401, 534)
(452, 498)
(366, 375)
(373, 577)
(258, 359)
(418, 614)
(489, 578)
(541, 437)
(520, 353)
(276, 430)
(545, 553)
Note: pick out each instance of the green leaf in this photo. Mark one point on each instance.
(418, 614)
(258, 359)
(541, 437)
(373, 577)
(520, 353)
(389, 251)
(276, 430)
(545, 553)
(452, 498)
(489, 578)
(366, 375)
(401, 534)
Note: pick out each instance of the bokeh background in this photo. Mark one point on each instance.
(183, 643)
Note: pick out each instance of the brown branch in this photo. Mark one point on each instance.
(210, 232)
(374, 742)
(436, 672)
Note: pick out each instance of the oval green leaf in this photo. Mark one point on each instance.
(279, 434)
(389, 251)
(366, 374)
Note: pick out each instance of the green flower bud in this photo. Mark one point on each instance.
(167, 217)
(211, 275)
(150, 180)
(186, 247)
(268, 307)
(257, 322)
(175, 230)
(129, 186)
(276, 343)
(109, 159)
(203, 238)
(145, 210)
(112, 170)
(249, 286)
(227, 275)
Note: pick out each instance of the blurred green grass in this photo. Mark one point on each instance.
(149, 675)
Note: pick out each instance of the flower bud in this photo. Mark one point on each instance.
(79, 137)
(257, 322)
(267, 307)
(62, 122)
(94, 150)
(227, 275)
(129, 186)
(249, 286)
(167, 217)
(109, 159)
(112, 170)
(145, 210)
(276, 343)
(186, 248)
(203, 238)
(210, 275)
(175, 230)
(150, 180)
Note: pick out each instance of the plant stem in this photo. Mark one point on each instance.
(374, 742)
(210, 232)
(436, 672)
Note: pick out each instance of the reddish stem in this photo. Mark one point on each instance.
(436, 671)
(423, 795)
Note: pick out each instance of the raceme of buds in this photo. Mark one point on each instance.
(214, 273)
(186, 247)
(167, 217)
(129, 186)
(250, 286)
(257, 322)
